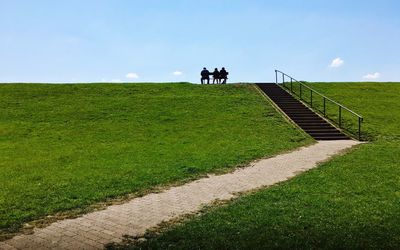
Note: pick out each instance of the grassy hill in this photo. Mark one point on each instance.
(65, 147)
(351, 202)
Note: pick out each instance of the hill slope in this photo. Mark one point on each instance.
(351, 202)
(66, 147)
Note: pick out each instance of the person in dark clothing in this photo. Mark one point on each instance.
(216, 76)
(205, 75)
(223, 74)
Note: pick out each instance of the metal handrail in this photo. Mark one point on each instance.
(325, 98)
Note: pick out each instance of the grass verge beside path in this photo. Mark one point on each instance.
(66, 147)
(351, 202)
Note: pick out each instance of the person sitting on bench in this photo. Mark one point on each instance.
(223, 74)
(205, 75)
(216, 76)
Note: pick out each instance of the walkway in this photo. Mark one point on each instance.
(94, 230)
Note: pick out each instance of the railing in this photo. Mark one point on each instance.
(309, 96)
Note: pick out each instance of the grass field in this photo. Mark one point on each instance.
(66, 147)
(351, 202)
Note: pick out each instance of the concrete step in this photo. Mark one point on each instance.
(329, 138)
(305, 124)
(309, 121)
(307, 127)
(317, 130)
(294, 109)
(304, 117)
(332, 133)
(299, 112)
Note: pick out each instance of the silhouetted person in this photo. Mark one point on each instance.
(216, 76)
(223, 74)
(205, 75)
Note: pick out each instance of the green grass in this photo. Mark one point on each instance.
(66, 147)
(350, 202)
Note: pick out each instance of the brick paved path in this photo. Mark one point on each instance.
(94, 230)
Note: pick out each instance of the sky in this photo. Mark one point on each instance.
(172, 40)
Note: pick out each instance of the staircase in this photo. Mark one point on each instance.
(304, 117)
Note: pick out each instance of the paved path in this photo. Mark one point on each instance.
(93, 230)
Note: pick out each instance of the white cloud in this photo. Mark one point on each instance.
(336, 63)
(373, 76)
(177, 73)
(132, 75)
(116, 80)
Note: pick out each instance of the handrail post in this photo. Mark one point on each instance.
(291, 84)
(311, 101)
(300, 91)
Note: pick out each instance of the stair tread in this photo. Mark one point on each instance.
(300, 114)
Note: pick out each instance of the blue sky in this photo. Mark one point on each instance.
(171, 40)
